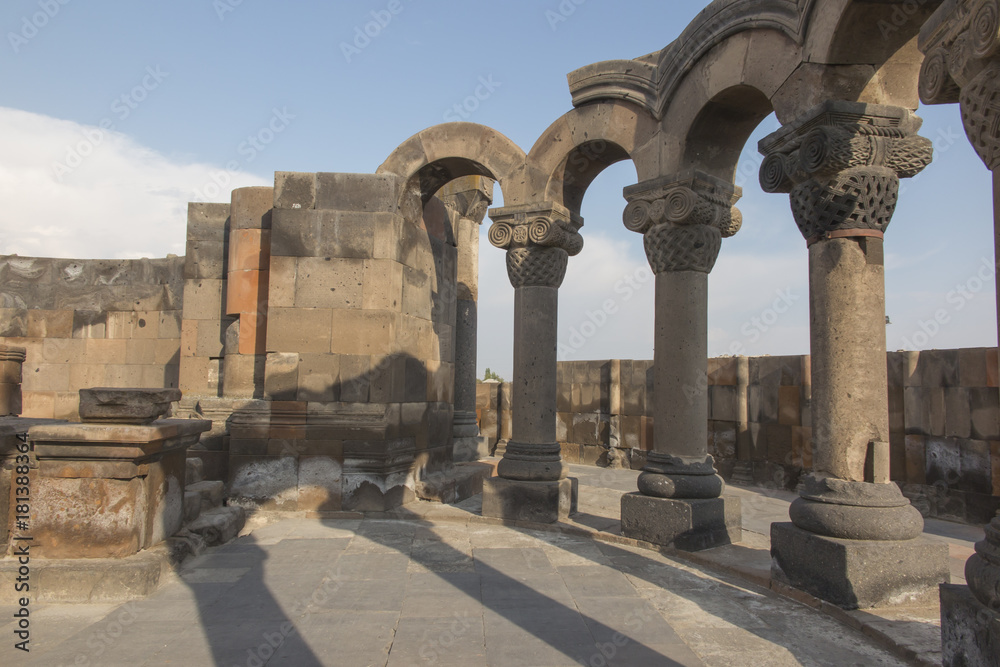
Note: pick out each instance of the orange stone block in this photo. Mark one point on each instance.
(245, 292)
(253, 333)
(249, 249)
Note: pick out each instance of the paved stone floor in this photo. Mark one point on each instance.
(435, 585)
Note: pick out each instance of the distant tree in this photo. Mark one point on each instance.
(490, 375)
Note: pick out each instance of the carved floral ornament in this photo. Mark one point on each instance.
(841, 166)
(961, 45)
(539, 242)
(683, 221)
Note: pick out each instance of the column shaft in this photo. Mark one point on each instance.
(847, 330)
(466, 323)
(680, 395)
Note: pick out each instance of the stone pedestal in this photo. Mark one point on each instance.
(689, 525)
(11, 359)
(857, 574)
(108, 490)
(537, 502)
(970, 631)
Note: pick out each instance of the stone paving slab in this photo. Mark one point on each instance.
(431, 584)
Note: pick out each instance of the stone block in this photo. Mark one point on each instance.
(779, 443)
(916, 460)
(924, 410)
(984, 405)
(972, 367)
(355, 379)
(308, 233)
(570, 452)
(937, 368)
(267, 482)
(944, 461)
(789, 412)
(299, 330)
(564, 426)
(207, 222)
(50, 323)
(246, 291)
(205, 259)
(970, 631)
(281, 282)
(688, 525)
(976, 469)
(536, 502)
(294, 190)
(203, 299)
(857, 574)
(329, 283)
(363, 332)
(319, 484)
(86, 324)
(417, 296)
(992, 367)
(723, 371)
(375, 193)
(383, 285)
(281, 376)
(995, 465)
(958, 416)
(724, 403)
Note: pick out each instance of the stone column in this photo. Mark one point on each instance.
(532, 483)
(961, 44)
(11, 360)
(841, 164)
(683, 220)
(468, 198)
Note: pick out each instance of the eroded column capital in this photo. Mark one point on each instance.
(841, 164)
(683, 219)
(539, 240)
(469, 196)
(961, 45)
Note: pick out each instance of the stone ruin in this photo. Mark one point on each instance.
(323, 330)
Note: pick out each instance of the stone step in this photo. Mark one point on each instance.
(211, 494)
(192, 506)
(194, 471)
(219, 525)
(459, 483)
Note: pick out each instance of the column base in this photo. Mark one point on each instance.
(970, 631)
(688, 525)
(470, 449)
(857, 574)
(538, 502)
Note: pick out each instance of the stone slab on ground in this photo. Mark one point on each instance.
(378, 591)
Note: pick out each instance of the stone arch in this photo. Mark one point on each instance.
(429, 160)
(575, 149)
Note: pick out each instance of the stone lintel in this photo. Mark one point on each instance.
(970, 631)
(114, 441)
(857, 574)
(537, 502)
(688, 525)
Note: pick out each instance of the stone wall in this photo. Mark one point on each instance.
(90, 323)
(944, 412)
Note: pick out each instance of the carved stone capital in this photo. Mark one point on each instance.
(470, 197)
(841, 164)
(961, 46)
(539, 241)
(683, 220)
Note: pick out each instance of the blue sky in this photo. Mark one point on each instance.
(115, 114)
